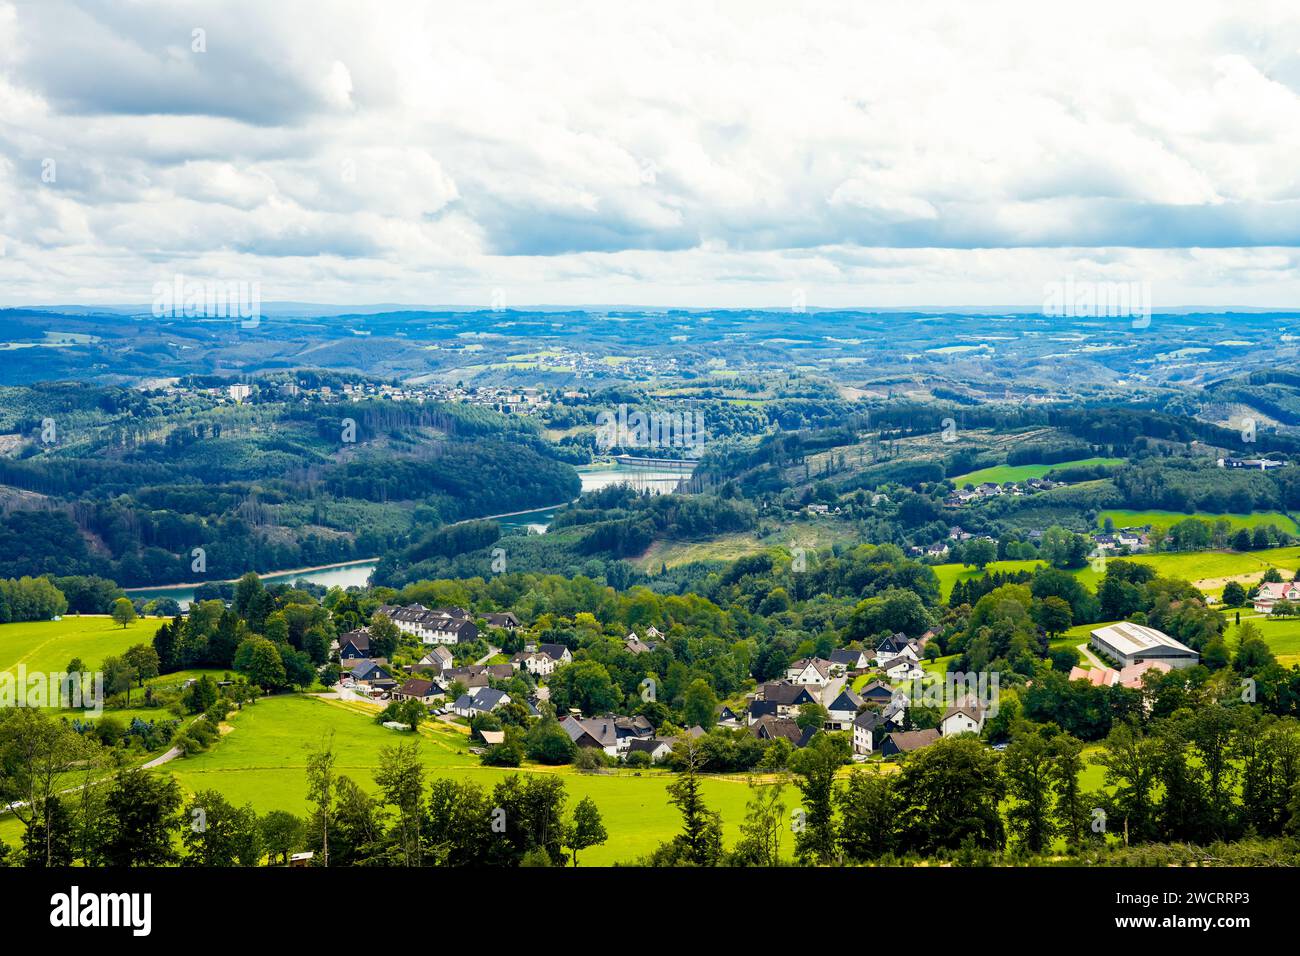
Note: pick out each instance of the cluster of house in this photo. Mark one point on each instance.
(941, 549)
(1130, 540)
(875, 714)
(443, 625)
(991, 489)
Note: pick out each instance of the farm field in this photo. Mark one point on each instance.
(263, 760)
(950, 574)
(1166, 519)
(1282, 635)
(50, 645)
(1209, 570)
(1004, 473)
(810, 535)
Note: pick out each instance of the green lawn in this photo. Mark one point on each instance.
(950, 574)
(49, 645)
(262, 761)
(1282, 635)
(1210, 566)
(1165, 519)
(1004, 473)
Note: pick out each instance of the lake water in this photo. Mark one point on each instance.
(357, 573)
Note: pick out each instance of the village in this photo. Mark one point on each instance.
(816, 694)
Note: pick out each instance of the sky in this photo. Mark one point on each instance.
(741, 154)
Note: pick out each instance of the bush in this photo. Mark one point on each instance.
(591, 758)
(637, 758)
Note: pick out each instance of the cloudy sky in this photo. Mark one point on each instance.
(729, 154)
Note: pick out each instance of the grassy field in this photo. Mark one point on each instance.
(263, 759)
(950, 574)
(810, 535)
(1003, 473)
(1209, 570)
(1166, 519)
(1281, 635)
(50, 645)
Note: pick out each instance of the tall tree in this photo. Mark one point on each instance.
(1027, 768)
(587, 828)
(320, 790)
(815, 767)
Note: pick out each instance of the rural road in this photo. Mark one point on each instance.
(1091, 657)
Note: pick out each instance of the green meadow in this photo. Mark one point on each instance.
(1004, 473)
(1166, 519)
(950, 574)
(1282, 635)
(50, 645)
(1202, 566)
(263, 760)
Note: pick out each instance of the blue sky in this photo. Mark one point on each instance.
(736, 154)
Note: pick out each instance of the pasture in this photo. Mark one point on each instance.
(1004, 473)
(49, 645)
(263, 761)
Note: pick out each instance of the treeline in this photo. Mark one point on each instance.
(1202, 776)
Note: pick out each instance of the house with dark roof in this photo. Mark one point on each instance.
(558, 653)
(505, 621)
(787, 697)
(850, 659)
(841, 711)
(612, 734)
(894, 646)
(469, 679)
(902, 668)
(367, 671)
(417, 688)
(877, 692)
(865, 726)
(445, 625)
(481, 700)
(906, 741)
(354, 645)
(772, 728)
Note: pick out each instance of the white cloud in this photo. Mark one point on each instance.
(874, 154)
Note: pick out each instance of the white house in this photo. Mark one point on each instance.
(896, 645)
(964, 717)
(537, 663)
(811, 670)
(864, 729)
(480, 700)
(841, 711)
(903, 668)
(1270, 592)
